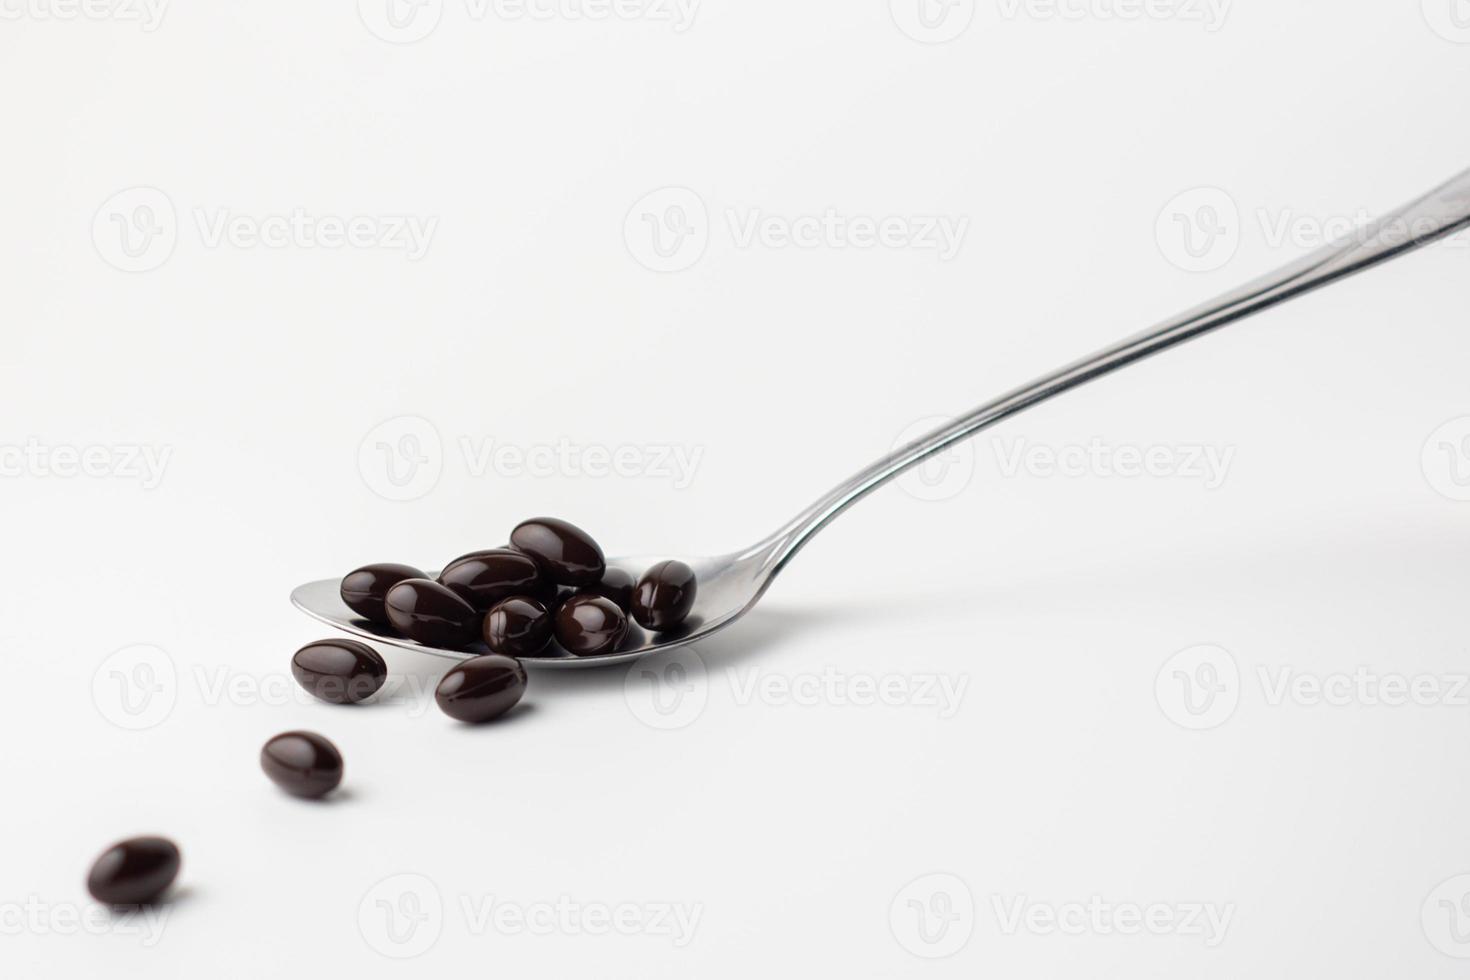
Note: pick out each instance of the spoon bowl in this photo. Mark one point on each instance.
(727, 587)
(730, 585)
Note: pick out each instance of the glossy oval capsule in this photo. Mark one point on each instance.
(566, 554)
(481, 688)
(484, 578)
(365, 589)
(339, 671)
(517, 627)
(616, 585)
(302, 763)
(589, 625)
(136, 871)
(664, 596)
(431, 614)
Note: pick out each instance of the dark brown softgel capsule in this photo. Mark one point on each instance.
(134, 872)
(566, 554)
(517, 627)
(302, 763)
(425, 611)
(589, 625)
(365, 589)
(339, 671)
(664, 596)
(616, 585)
(484, 578)
(482, 688)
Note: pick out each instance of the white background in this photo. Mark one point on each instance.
(1071, 769)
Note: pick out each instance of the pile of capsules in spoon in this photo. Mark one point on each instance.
(548, 593)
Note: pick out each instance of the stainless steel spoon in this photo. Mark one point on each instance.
(729, 585)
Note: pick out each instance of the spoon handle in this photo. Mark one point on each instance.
(1438, 214)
